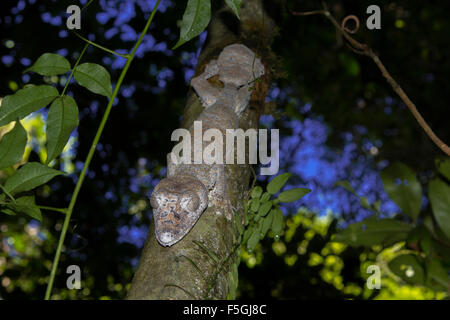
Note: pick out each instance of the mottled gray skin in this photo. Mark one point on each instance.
(179, 200)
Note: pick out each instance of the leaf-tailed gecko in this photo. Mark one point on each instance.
(179, 200)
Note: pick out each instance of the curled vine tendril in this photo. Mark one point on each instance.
(347, 19)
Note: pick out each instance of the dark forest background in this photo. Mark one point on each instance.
(338, 120)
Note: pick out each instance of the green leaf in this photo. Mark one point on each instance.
(248, 233)
(95, 78)
(12, 146)
(195, 19)
(346, 185)
(443, 167)
(235, 5)
(50, 64)
(238, 223)
(25, 101)
(277, 222)
(253, 240)
(266, 224)
(408, 267)
(256, 192)
(8, 211)
(5, 192)
(439, 193)
(211, 254)
(437, 272)
(371, 232)
(278, 182)
(29, 176)
(264, 208)
(61, 120)
(265, 197)
(403, 188)
(27, 206)
(254, 206)
(293, 194)
(365, 202)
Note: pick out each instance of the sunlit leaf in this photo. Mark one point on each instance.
(195, 19)
(403, 188)
(409, 268)
(25, 101)
(61, 120)
(95, 78)
(277, 183)
(50, 64)
(293, 194)
(439, 193)
(12, 146)
(371, 232)
(29, 176)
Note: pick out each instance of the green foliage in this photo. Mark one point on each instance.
(256, 192)
(409, 268)
(29, 176)
(26, 101)
(61, 120)
(370, 232)
(95, 78)
(275, 185)
(261, 215)
(293, 194)
(195, 19)
(402, 186)
(235, 5)
(50, 64)
(425, 264)
(25, 205)
(443, 167)
(439, 193)
(12, 146)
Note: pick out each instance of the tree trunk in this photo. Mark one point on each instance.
(185, 270)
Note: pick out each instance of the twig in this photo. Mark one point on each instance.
(364, 49)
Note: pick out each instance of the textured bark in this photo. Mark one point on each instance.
(169, 272)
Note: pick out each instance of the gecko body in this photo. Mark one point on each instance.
(179, 200)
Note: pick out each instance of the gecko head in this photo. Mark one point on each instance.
(177, 203)
(238, 65)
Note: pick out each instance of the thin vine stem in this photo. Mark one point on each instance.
(91, 154)
(73, 69)
(126, 56)
(61, 210)
(364, 49)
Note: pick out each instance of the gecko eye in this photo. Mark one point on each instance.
(190, 202)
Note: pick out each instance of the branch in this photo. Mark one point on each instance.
(364, 49)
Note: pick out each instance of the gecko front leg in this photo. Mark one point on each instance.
(207, 93)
